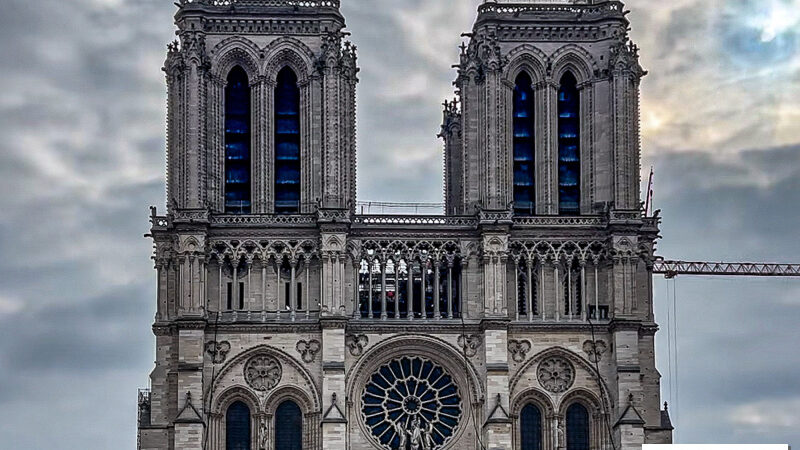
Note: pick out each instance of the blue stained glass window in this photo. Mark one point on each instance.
(531, 427)
(288, 427)
(412, 395)
(287, 143)
(577, 427)
(237, 427)
(524, 145)
(237, 142)
(569, 163)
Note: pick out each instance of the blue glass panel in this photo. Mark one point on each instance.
(237, 175)
(287, 143)
(287, 150)
(288, 125)
(412, 379)
(237, 151)
(237, 427)
(569, 173)
(236, 126)
(531, 428)
(524, 153)
(288, 427)
(568, 153)
(237, 142)
(577, 427)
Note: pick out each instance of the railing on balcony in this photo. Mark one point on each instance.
(568, 271)
(408, 280)
(274, 3)
(255, 317)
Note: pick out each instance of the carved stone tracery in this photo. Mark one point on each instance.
(356, 343)
(519, 349)
(556, 374)
(263, 372)
(308, 349)
(218, 351)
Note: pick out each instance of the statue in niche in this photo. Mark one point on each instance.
(263, 435)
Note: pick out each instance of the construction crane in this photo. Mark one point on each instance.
(672, 269)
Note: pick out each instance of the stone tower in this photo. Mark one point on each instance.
(522, 318)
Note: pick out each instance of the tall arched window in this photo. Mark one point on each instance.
(524, 146)
(577, 427)
(237, 427)
(288, 427)
(569, 137)
(237, 142)
(287, 143)
(531, 427)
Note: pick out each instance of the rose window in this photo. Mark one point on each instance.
(556, 374)
(411, 402)
(262, 372)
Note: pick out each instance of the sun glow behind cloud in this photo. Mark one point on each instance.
(775, 18)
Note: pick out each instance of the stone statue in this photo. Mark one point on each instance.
(416, 435)
(401, 431)
(263, 435)
(429, 443)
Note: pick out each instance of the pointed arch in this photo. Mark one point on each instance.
(532, 432)
(288, 51)
(287, 142)
(578, 430)
(569, 145)
(237, 142)
(531, 427)
(238, 426)
(235, 51)
(524, 145)
(288, 426)
(575, 59)
(526, 58)
(304, 383)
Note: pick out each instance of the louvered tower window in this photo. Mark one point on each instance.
(569, 162)
(237, 427)
(531, 427)
(577, 427)
(288, 427)
(287, 143)
(237, 143)
(524, 160)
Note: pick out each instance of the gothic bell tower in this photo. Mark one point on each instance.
(545, 121)
(261, 98)
(521, 319)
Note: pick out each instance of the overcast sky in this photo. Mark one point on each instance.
(82, 156)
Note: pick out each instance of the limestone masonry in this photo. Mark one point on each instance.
(522, 318)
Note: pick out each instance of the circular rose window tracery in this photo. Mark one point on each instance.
(411, 403)
(262, 372)
(556, 374)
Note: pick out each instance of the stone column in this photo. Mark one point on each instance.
(497, 430)
(546, 98)
(190, 418)
(333, 273)
(495, 254)
(334, 424)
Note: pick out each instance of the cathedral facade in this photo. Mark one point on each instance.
(522, 318)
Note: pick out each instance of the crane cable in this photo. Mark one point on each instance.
(675, 345)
